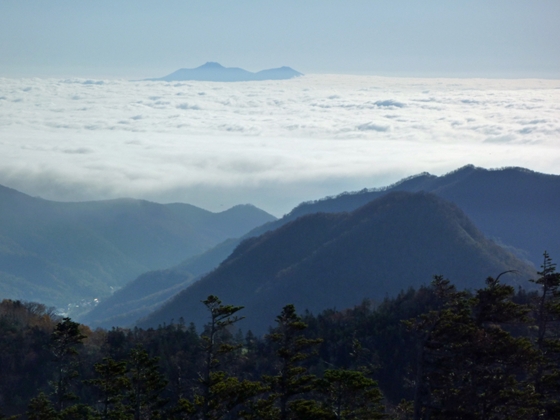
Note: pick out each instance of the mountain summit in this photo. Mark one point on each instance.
(215, 72)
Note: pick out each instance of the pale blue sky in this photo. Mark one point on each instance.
(137, 38)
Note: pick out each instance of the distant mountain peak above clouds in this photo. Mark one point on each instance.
(211, 65)
(215, 72)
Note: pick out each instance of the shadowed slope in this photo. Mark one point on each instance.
(516, 207)
(335, 260)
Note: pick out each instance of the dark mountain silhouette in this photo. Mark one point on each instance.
(514, 206)
(215, 72)
(336, 260)
(60, 253)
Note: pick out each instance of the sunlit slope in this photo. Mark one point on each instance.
(336, 260)
(60, 253)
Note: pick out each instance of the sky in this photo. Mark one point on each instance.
(391, 89)
(139, 38)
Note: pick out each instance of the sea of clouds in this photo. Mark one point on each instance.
(272, 144)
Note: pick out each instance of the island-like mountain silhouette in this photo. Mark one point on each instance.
(335, 260)
(215, 72)
(515, 207)
(60, 253)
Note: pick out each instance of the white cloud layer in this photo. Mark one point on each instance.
(273, 143)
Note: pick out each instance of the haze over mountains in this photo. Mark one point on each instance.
(215, 72)
(515, 207)
(59, 253)
(104, 139)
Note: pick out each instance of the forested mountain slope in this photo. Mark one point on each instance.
(60, 253)
(514, 206)
(336, 260)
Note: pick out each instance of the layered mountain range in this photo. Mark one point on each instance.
(334, 252)
(215, 72)
(514, 207)
(321, 261)
(59, 253)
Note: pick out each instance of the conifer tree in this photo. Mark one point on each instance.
(350, 394)
(78, 412)
(547, 340)
(215, 384)
(65, 341)
(292, 348)
(144, 400)
(425, 328)
(41, 408)
(111, 384)
(471, 366)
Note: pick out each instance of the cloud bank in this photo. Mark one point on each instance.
(273, 143)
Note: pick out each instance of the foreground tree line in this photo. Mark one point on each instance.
(432, 353)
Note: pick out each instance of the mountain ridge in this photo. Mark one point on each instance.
(335, 260)
(64, 252)
(526, 233)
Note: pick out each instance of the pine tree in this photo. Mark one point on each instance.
(229, 396)
(41, 408)
(292, 348)
(65, 341)
(147, 384)
(213, 382)
(425, 328)
(471, 366)
(546, 309)
(111, 384)
(78, 412)
(350, 394)
(495, 361)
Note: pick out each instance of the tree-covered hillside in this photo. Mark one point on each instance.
(513, 206)
(323, 260)
(436, 352)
